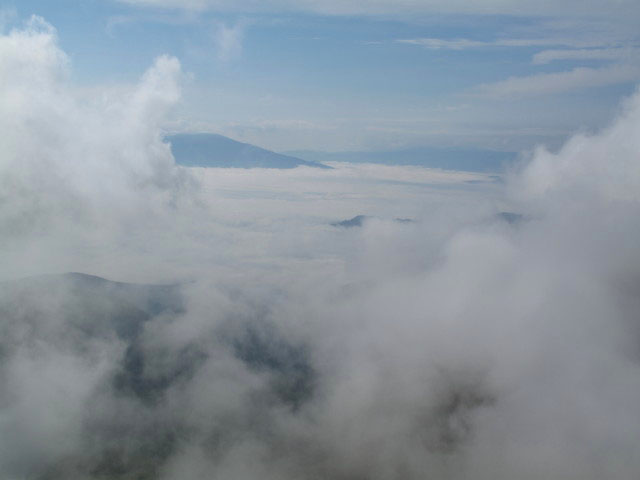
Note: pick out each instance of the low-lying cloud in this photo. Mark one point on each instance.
(264, 342)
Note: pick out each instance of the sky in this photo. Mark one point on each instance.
(363, 75)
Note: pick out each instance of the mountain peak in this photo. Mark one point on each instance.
(213, 150)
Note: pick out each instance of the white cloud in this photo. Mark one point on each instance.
(605, 164)
(114, 134)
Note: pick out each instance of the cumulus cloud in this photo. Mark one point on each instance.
(586, 163)
(268, 343)
(60, 150)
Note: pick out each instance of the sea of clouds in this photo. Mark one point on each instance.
(463, 344)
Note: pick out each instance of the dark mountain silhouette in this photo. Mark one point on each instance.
(512, 218)
(356, 221)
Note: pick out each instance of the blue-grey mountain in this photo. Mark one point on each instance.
(212, 150)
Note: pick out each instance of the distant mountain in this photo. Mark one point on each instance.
(75, 312)
(108, 305)
(359, 220)
(511, 217)
(461, 159)
(356, 221)
(212, 150)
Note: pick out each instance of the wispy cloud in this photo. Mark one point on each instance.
(548, 56)
(228, 40)
(442, 44)
(558, 82)
(465, 43)
(116, 21)
(575, 46)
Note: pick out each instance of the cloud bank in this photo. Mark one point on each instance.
(457, 345)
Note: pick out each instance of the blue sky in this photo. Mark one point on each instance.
(364, 75)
